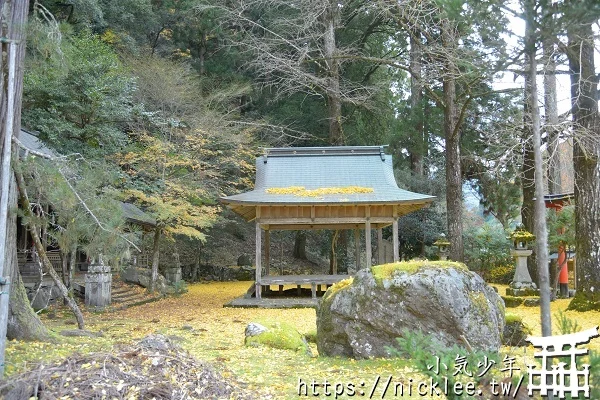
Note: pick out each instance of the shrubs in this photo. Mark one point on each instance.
(501, 274)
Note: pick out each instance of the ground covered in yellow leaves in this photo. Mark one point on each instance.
(200, 324)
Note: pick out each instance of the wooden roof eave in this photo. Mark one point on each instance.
(248, 210)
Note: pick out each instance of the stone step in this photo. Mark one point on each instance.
(513, 301)
(119, 291)
(123, 297)
(135, 302)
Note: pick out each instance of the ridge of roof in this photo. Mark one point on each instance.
(324, 151)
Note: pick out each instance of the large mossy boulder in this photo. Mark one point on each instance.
(362, 316)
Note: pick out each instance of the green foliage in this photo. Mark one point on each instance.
(181, 153)
(486, 246)
(70, 223)
(425, 354)
(78, 99)
(565, 324)
(502, 274)
(561, 226)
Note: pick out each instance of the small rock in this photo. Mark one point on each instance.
(244, 260)
(156, 342)
(187, 328)
(80, 333)
(532, 302)
(254, 328)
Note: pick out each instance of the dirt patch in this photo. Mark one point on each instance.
(155, 367)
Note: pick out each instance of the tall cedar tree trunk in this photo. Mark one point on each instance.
(586, 158)
(454, 200)
(551, 113)
(334, 103)
(528, 178)
(155, 259)
(551, 109)
(49, 269)
(540, 230)
(23, 322)
(418, 142)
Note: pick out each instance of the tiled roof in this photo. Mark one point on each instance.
(30, 141)
(326, 167)
(133, 214)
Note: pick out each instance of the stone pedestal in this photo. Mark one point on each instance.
(173, 275)
(522, 284)
(98, 282)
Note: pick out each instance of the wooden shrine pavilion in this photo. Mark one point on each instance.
(323, 188)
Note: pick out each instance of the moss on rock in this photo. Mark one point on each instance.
(279, 336)
(511, 301)
(387, 271)
(510, 318)
(585, 301)
(515, 331)
(480, 302)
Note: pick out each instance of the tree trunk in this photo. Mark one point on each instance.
(202, 54)
(42, 252)
(23, 322)
(334, 103)
(540, 230)
(64, 254)
(551, 112)
(528, 178)
(586, 157)
(333, 259)
(418, 142)
(300, 245)
(72, 266)
(155, 259)
(454, 200)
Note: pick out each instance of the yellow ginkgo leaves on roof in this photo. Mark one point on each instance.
(303, 192)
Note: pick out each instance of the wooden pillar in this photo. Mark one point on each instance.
(380, 252)
(396, 242)
(357, 248)
(258, 260)
(267, 251)
(368, 242)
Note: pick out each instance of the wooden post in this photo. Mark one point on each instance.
(258, 260)
(357, 248)
(368, 242)
(396, 242)
(267, 251)
(380, 252)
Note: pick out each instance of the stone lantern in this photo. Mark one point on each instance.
(443, 246)
(522, 284)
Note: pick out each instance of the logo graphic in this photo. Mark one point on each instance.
(563, 377)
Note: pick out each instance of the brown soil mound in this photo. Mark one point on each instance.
(153, 368)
